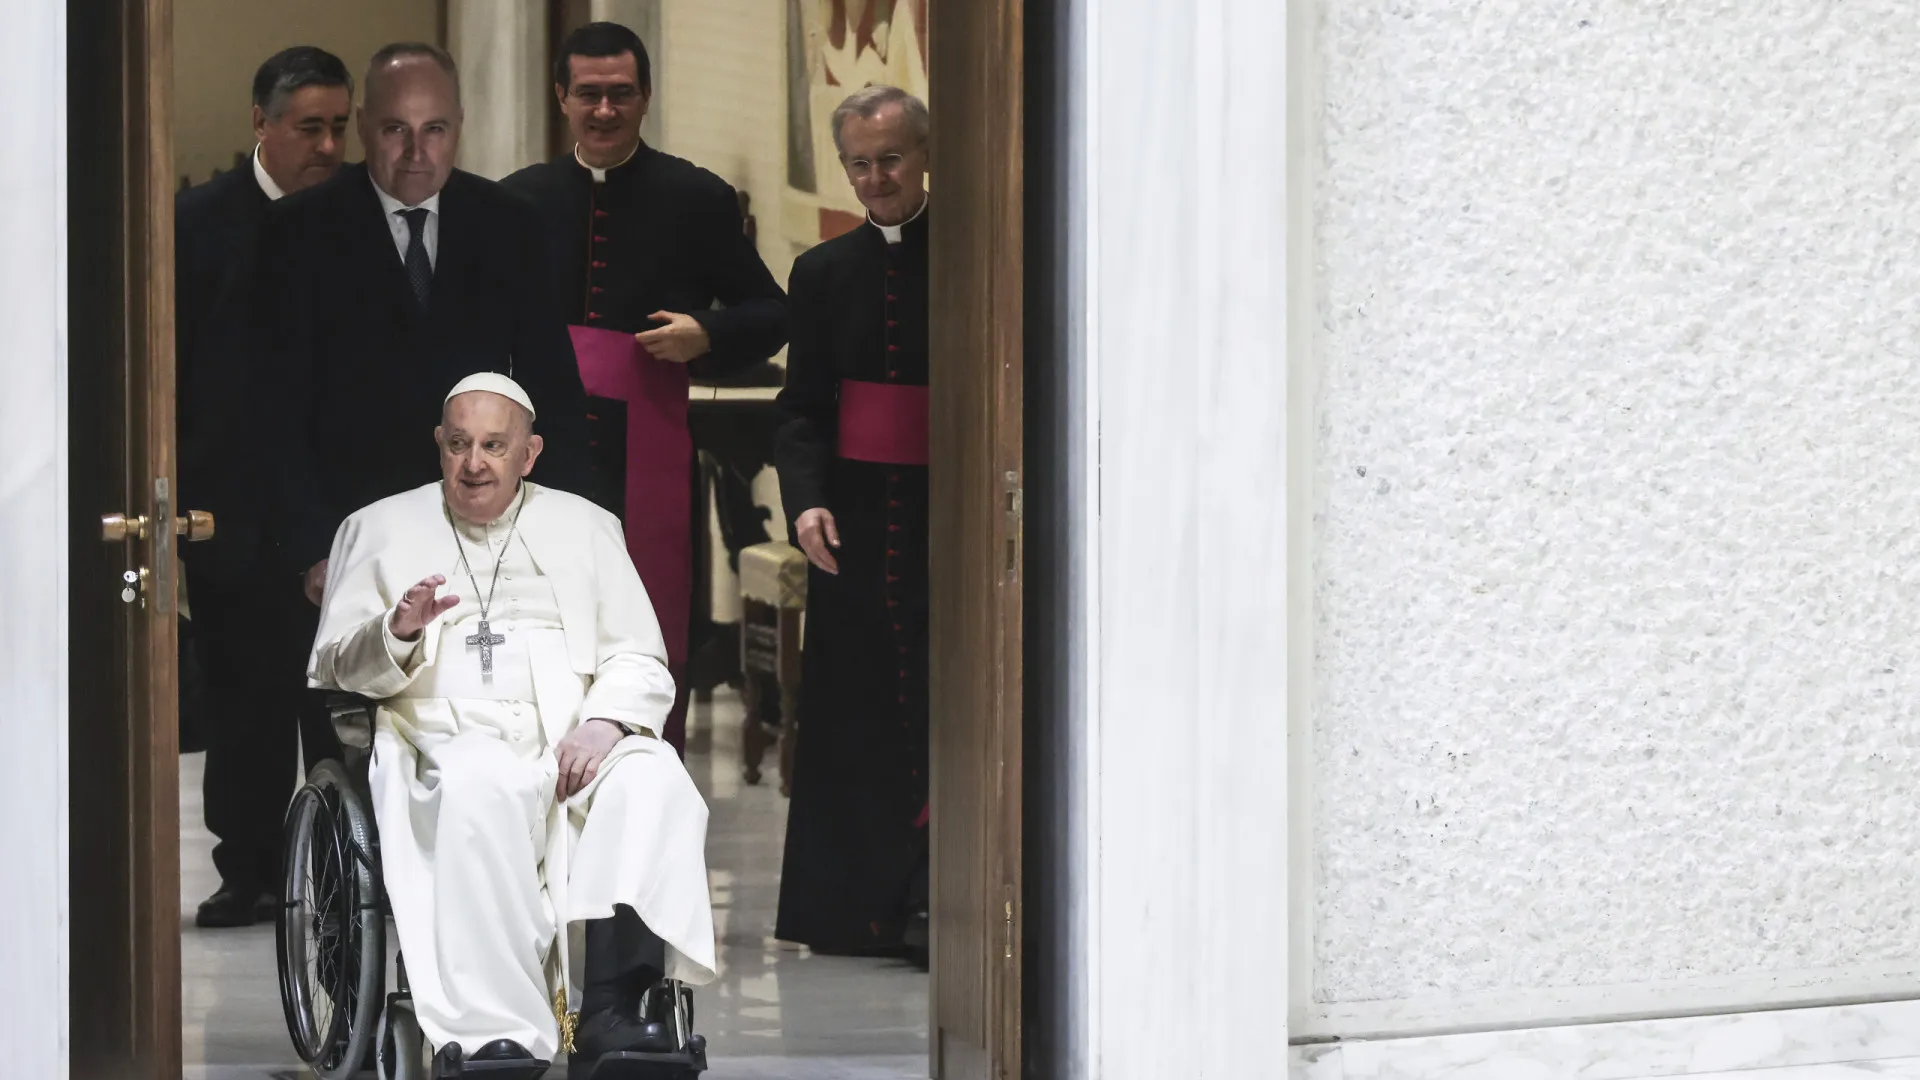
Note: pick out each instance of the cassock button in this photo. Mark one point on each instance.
(599, 239)
(597, 290)
(592, 315)
(598, 265)
(892, 298)
(601, 213)
(891, 272)
(893, 348)
(903, 701)
(893, 323)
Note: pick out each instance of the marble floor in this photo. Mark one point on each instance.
(776, 1011)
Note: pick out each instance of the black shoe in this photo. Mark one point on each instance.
(502, 1050)
(610, 1032)
(231, 907)
(446, 1062)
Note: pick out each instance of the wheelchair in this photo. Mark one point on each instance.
(331, 941)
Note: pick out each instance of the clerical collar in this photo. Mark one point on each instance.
(264, 178)
(894, 232)
(393, 206)
(600, 175)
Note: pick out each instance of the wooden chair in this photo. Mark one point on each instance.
(773, 598)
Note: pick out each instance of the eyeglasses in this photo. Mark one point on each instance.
(861, 168)
(617, 96)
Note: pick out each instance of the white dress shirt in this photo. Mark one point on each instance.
(397, 225)
(263, 178)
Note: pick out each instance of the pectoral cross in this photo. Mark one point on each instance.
(486, 639)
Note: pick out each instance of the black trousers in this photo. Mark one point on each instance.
(624, 958)
(252, 639)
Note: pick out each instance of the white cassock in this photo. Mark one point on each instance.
(488, 877)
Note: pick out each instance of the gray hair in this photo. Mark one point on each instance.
(867, 102)
(291, 70)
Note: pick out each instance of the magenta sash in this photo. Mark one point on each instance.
(658, 499)
(883, 422)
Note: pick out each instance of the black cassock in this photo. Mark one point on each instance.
(364, 369)
(856, 852)
(657, 233)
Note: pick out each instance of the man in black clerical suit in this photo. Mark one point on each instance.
(852, 457)
(645, 243)
(393, 281)
(251, 627)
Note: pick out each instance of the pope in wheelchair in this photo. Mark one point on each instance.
(542, 849)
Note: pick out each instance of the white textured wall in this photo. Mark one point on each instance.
(1618, 476)
(33, 548)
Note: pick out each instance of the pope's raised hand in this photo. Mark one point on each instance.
(418, 608)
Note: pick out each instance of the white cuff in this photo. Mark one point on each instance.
(404, 654)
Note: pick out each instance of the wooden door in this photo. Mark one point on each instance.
(975, 74)
(124, 872)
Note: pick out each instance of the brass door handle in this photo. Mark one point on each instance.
(114, 528)
(117, 527)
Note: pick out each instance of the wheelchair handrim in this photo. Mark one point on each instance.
(331, 932)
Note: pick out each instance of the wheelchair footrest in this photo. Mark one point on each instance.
(497, 1070)
(634, 1065)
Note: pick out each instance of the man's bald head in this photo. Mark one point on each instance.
(411, 60)
(410, 121)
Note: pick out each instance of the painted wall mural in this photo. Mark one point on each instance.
(835, 47)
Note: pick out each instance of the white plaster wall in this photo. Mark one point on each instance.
(1179, 274)
(33, 547)
(722, 96)
(1616, 466)
(505, 84)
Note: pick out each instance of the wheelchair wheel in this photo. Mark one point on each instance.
(332, 932)
(403, 1050)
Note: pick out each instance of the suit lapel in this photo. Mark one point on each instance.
(456, 231)
(376, 237)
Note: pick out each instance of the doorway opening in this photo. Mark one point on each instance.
(158, 100)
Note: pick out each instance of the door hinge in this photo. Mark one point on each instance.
(1009, 910)
(1015, 499)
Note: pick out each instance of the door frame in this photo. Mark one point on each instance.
(976, 68)
(977, 82)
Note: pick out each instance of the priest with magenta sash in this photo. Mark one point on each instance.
(642, 245)
(852, 457)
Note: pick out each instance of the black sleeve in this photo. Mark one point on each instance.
(306, 511)
(753, 324)
(543, 363)
(187, 300)
(807, 408)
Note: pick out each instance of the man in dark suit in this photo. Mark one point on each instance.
(645, 244)
(251, 626)
(394, 280)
